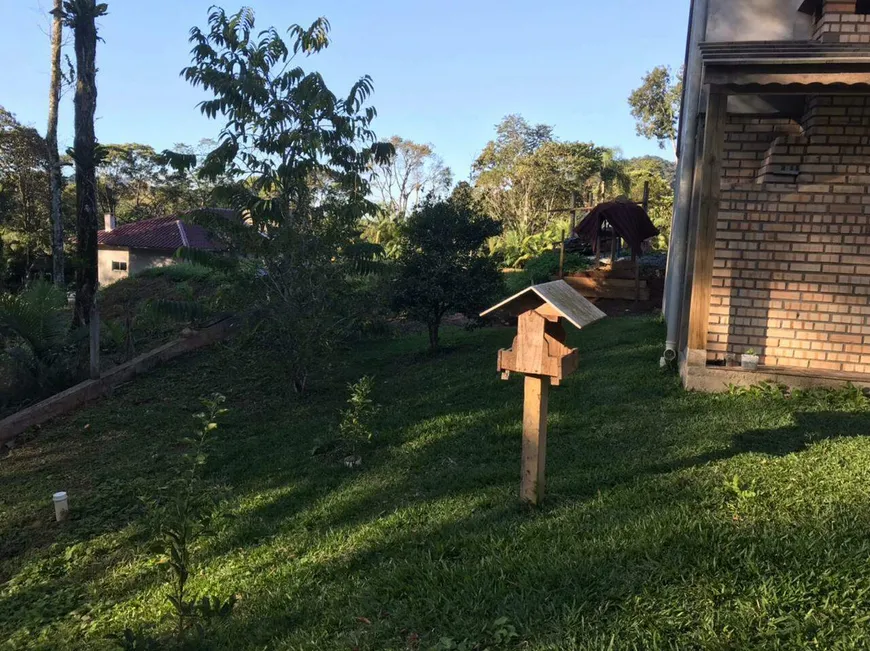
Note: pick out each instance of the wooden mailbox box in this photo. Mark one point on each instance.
(539, 352)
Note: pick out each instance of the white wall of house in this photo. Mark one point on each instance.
(142, 259)
(106, 256)
(131, 261)
(757, 20)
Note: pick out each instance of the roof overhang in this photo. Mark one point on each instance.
(560, 295)
(787, 67)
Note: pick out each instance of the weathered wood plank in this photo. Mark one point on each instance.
(81, 394)
(708, 212)
(535, 405)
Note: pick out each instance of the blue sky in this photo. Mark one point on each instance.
(445, 72)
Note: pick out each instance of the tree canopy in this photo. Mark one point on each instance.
(655, 104)
(444, 267)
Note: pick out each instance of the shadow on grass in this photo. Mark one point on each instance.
(430, 530)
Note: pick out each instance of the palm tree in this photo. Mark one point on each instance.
(612, 179)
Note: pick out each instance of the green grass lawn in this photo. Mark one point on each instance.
(644, 540)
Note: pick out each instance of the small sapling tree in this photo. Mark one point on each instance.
(443, 267)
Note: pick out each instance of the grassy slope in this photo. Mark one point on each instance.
(640, 543)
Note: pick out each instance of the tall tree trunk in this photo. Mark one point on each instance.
(83, 20)
(51, 140)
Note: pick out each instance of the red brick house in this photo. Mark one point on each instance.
(771, 246)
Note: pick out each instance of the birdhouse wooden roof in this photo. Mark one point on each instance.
(559, 295)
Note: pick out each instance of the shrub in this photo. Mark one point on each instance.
(443, 267)
(181, 271)
(546, 266)
(355, 428)
(42, 354)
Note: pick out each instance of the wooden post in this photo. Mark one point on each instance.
(634, 256)
(94, 326)
(597, 246)
(636, 260)
(705, 236)
(535, 405)
(573, 211)
(562, 257)
(613, 242)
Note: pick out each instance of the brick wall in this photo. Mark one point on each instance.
(747, 141)
(792, 266)
(841, 24)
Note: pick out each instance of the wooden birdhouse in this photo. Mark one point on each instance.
(540, 353)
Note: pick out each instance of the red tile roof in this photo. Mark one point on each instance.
(164, 233)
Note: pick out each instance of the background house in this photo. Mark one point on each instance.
(131, 248)
(771, 245)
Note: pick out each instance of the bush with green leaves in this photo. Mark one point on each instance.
(546, 266)
(443, 267)
(356, 426)
(516, 247)
(42, 355)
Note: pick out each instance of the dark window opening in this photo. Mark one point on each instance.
(863, 7)
(119, 266)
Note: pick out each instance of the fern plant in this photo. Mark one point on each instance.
(40, 346)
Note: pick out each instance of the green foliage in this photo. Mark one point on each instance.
(655, 104)
(182, 272)
(131, 640)
(384, 230)
(298, 155)
(443, 267)
(136, 182)
(846, 398)
(660, 174)
(25, 221)
(542, 269)
(739, 497)
(546, 267)
(501, 634)
(41, 352)
(525, 173)
(184, 515)
(356, 427)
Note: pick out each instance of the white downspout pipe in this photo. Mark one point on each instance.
(678, 250)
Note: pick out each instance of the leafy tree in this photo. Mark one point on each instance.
(81, 16)
(412, 174)
(298, 154)
(660, 174)
(525, 174)
(126, 177)
(24, 200)
(444, 267)
(655, 104)
(611, 180)
(135, 182)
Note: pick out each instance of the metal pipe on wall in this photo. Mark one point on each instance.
(677, 252)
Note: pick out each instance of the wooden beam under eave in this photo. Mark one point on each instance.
(708, 213)
(831, 74)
